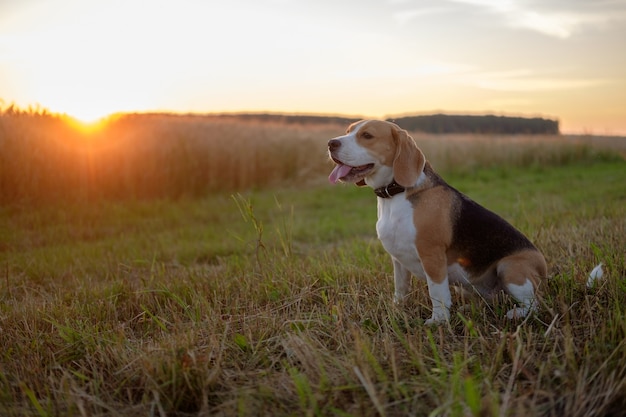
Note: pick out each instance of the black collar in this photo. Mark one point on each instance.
(389, 190)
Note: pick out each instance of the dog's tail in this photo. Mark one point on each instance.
(595, 275)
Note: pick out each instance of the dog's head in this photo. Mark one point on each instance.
(375, 152)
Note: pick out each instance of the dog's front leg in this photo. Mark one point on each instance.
(435, 268)
(402, 281)
(441, 300)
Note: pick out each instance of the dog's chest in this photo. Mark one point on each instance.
(395, 227)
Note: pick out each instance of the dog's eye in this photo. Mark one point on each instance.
(367, 135)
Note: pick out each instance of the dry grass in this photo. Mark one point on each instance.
(284, 326)
(46, 158)
(279, 302)
(467, 153)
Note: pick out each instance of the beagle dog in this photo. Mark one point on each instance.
(431, 230)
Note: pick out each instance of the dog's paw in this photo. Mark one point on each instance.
(438, 317)
(400, 300)
(518, 313)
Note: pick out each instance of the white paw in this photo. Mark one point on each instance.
(438, 317)
(399, 300)
(518, 313)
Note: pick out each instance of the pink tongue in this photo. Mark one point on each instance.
(339, 172)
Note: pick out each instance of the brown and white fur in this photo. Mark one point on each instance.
(431, 230)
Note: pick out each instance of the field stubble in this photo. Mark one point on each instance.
(278, 301)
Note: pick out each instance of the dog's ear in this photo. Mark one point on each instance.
(409, 161)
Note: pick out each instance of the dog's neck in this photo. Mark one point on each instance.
(393, 188)
(389, 190)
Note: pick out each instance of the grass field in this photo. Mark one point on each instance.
(277, 300)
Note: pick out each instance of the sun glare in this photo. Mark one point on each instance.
(88, 118)
(86, 127)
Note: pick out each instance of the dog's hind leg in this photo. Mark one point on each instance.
(520, 274)
(525, 295)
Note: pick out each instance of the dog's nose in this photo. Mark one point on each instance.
(334, 144)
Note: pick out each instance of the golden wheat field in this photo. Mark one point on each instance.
(46, 157)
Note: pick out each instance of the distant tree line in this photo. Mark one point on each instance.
(436, 123)
(443, 123)
(289, 118)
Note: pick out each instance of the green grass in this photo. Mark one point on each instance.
(279, 302)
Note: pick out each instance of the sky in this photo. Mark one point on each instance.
(560, 59)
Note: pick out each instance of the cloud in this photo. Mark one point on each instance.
(549, 17)
(524, 81)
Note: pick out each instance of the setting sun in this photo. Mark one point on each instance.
(79, 66)
(78, 104)
(87, 127)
